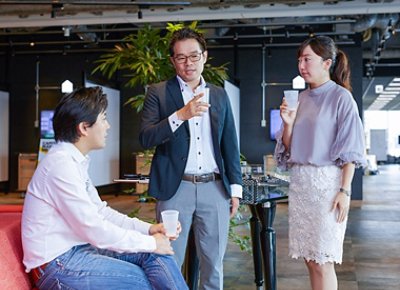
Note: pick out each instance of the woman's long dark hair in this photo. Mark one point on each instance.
(326, 48)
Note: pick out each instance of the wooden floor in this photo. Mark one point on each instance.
(371, 258)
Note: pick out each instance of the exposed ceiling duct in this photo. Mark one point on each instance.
(379, 21)
(84, 34)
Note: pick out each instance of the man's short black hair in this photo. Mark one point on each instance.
(187, 33)
(82, 105)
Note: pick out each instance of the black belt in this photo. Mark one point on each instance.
(201, 178)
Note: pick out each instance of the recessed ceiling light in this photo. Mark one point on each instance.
(392, 89)
(388, 95)
(390, 92)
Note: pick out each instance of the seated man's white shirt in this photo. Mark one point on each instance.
(62, 209)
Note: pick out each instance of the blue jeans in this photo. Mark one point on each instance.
(87, 267)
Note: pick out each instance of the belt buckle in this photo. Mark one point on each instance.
(195, 179)
(203, 178)
(199, 178)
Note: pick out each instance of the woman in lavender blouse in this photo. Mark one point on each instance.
(321, 142)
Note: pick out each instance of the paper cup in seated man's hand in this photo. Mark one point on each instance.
(170, 221)
(291, 97)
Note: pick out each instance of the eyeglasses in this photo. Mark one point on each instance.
(193, 57)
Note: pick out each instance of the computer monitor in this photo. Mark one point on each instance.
(46, 124)
(275, 122)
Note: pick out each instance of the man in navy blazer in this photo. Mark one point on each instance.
(196, 166)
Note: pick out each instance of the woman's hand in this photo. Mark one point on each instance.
(342, 200)
(288, 116)
(342, 204)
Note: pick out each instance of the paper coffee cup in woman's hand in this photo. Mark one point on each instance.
(292, 98)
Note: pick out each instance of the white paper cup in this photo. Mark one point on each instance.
(206, 97)
(291, 97)
(170, 221)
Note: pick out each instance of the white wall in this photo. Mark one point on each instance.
(384, 120)
(234, 96)
(104, 164)
(378, 144)
(4, 135)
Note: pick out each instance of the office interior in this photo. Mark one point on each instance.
(43, 45)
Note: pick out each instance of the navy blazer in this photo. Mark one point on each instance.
(172, 148)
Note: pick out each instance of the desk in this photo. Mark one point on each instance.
(127, 180)
(264, 241)
(137, 179)
(261, 196)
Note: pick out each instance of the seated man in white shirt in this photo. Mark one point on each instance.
(72, 239)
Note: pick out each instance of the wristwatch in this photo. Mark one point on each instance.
(345, 191)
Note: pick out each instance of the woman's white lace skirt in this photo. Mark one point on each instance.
(314, 233)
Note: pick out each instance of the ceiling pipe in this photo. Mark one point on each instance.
(37, 89)
(211, 46)
(88, 37)
(263, 86)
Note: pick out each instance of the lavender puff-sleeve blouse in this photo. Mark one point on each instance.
(327, 130)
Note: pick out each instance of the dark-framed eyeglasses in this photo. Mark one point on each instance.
(194, 57)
